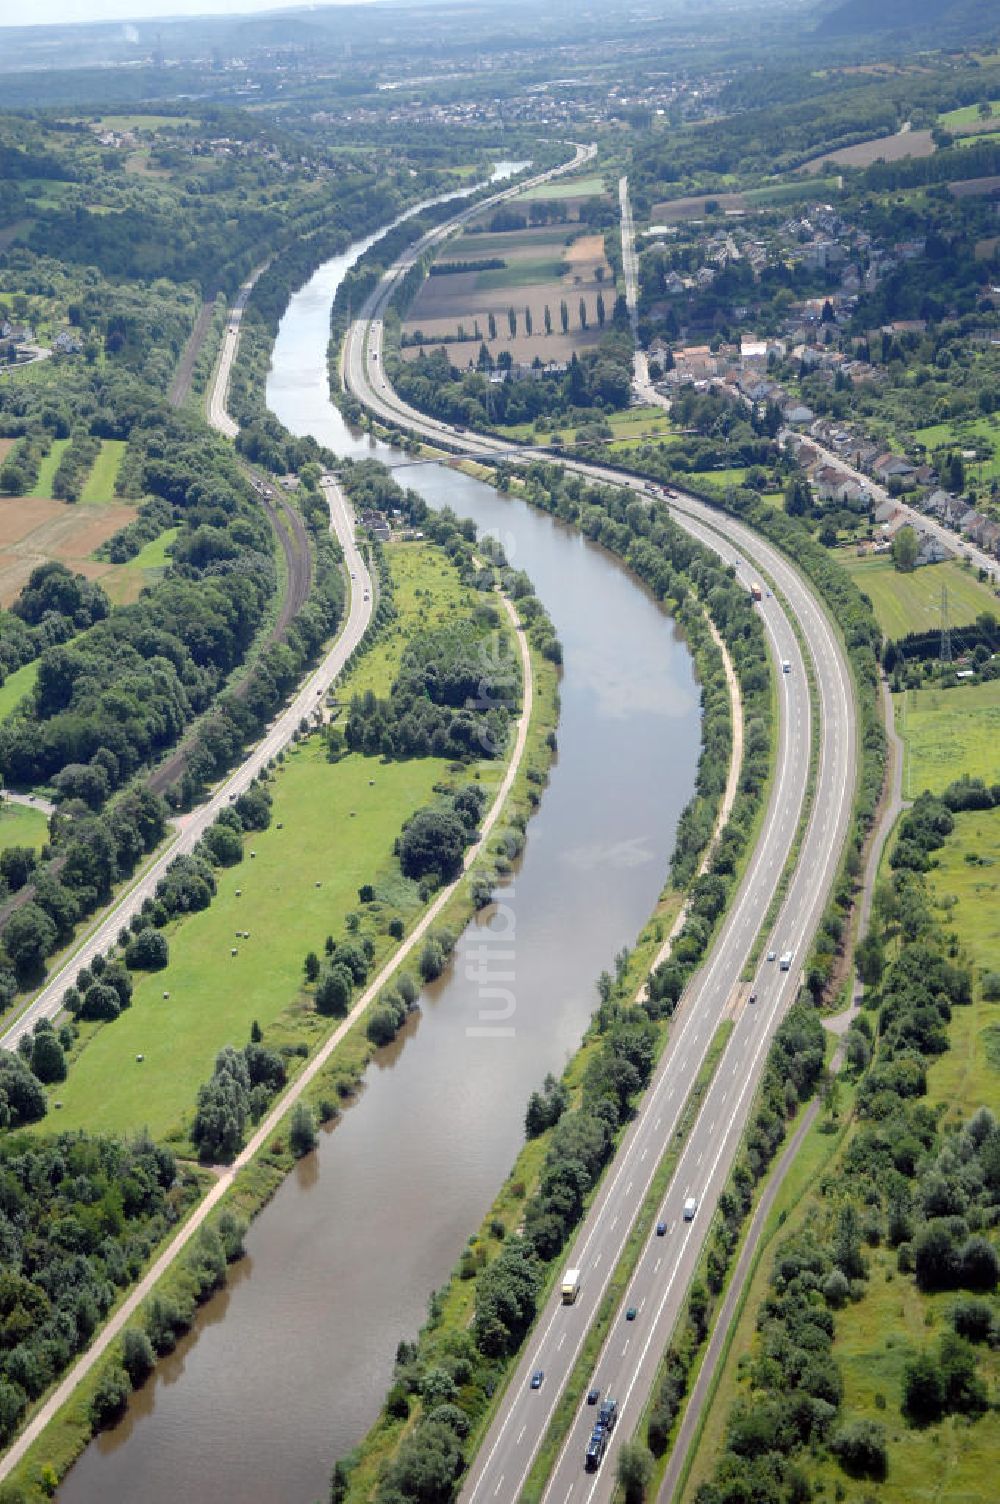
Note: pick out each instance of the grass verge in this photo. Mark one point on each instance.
(578, 1381)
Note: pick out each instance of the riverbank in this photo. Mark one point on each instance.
(258, 1169)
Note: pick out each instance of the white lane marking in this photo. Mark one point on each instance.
(521, 1433)
(559, 1344)
(498, 1487)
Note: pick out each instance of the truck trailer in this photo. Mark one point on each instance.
(570, 1286)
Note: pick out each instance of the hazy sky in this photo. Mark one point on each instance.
(44, 12)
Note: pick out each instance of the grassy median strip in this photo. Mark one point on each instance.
(808, 798)
(579, 1380)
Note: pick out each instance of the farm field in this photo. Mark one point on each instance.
(16, 685)
(542, 272)
(588, 187)
(968, 119)
(300, 886)
(948, 732)
(33, 531)
(912, 602)
(676, 210)
(142, 122)
(879, 149)
(21, 826)
(100, 484)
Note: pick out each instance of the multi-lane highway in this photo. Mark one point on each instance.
(190, 828)
(630, 1355)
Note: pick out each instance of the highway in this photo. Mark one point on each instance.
(628, 1361)
(191, 827)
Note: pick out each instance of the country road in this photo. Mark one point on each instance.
(628, 1361)
(103, 933)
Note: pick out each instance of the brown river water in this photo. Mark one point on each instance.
(285, 1369)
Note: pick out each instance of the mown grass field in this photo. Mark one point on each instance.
(966, 435)
(48, 468)
(123, 582)
(912, 602)
(340, 822)
(949, 732)
(720, 480)
(588, 187)
(338, 833)
(100, 483)
(21, 826)
(966, 115)
(635, 425)
(16, 685)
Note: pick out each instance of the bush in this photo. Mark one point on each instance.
(138, 1357)
(383, 1024)
(433, 842)
(47, 1059)
(923, 1390)
(333, 990)
(149, 951)
(861, 1449)
(302, 1132)
(110, 1397)
(21, 1097)
(973, 1319)
(100, 1003)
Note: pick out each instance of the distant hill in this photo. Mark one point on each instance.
(938, 20)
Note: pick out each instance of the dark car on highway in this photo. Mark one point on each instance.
(537, 1377)
(596, 1447)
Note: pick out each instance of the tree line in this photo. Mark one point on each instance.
(901, 1183)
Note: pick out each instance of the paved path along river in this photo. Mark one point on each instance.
(341, 1263)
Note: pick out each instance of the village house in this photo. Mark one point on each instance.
(888, 466)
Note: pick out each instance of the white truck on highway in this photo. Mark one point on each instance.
(570, 1286)
(786, 960)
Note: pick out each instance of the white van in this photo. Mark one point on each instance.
(690, 1207)
(786, 667)
(786, 960)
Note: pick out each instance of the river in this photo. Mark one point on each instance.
(255, 1408)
